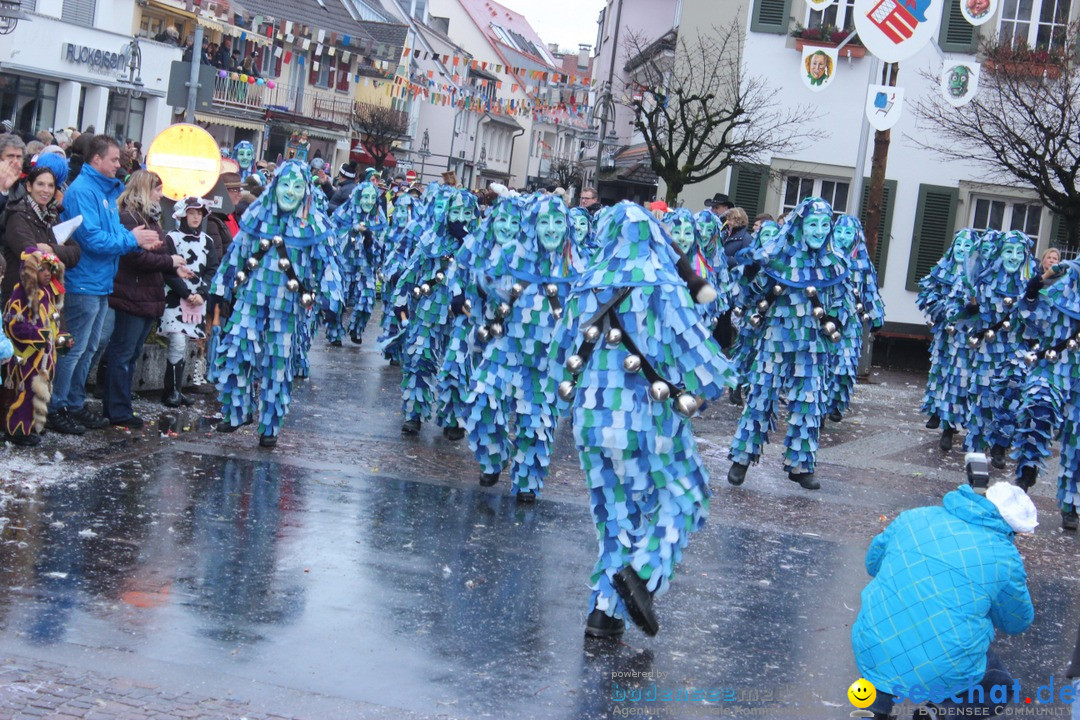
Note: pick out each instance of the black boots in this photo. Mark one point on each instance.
(997, 456)
(453, 433)
(411, 426)
(805, 479)
(1028, 475)
(638, 600)
(946, 439)
(1069, 520)
(735, 395)
(602, 625)
(488, 479)
(933, 423)
(835, 415)
(737, 474)
(174, 381)
(268, 441)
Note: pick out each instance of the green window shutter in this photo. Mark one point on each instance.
(749, 183)
(1059, 235)
(881, 253)
(935, 219)
(957, 34)
(771, 16)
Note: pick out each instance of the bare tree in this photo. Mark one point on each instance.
(380, 129)
(1022, 125)
(565, 172)
(701, 112)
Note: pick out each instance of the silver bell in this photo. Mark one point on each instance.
(557, 312)
(1071, 344)
(284, 264)
(425, 289)
(830, 327)
(416, 292)
(950, 329)
(818, 312)
(551, 289)
(763, 305)
(755, 320)
(504, 310)
(496, 329)
(776, 289)
(632, 363)
(264, 244)
(614, 336)
(467, 305)
(592, 334)
(1006, 325)
(835, 337)
(293, 285)
(737, 312)
(865, 317)
(566, 390)
(278, 240)
(516, 290)
(1009, 302)
(811, 291)
(659, 391)
(858, 307)
(973, 341)
(252, 263)
(307, 300)
(1031, 358)
(1052, 355)
(575, 363)
(483, 335)
(241, 277)
(990, 335)
(686, 405)
(439, 277)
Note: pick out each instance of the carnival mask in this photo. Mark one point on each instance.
(459, 211)
(707, 226)
(245, 155)
(962, 247)
(506, 227)
(988, 245)
(368, 198)
(682, 233)
(291, 190)
(581, 228)
(844, 238)
(551, 230)
(1012, 256)
(438, 206)
(815, 230)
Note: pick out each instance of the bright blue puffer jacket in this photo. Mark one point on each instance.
(944, 578)
(102, 237)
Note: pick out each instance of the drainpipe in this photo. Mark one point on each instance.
(510, 165)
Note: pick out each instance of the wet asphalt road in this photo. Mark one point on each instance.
(351, 573)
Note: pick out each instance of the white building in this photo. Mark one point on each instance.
(61, 67)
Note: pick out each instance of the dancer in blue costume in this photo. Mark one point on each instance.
(361, 227)
(942, 299)
(862, 304)
(398, 246)
(462, 350)
(513, 413)
(996, 339)
(584, 227)
(636, 359)
(803, 294)
(747, 284)
(309, 327)
(684, 232)
(244, 154)
(423, 303)
(279, 266)
(1051, 404)
(708, 228)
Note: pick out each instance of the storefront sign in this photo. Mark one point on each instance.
(98, 61)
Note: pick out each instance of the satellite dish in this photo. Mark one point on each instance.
(187, 159)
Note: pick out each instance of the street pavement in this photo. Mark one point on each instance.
(351, 573)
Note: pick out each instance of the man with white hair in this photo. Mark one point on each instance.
(945, 577)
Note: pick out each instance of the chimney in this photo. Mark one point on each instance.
(583, 56)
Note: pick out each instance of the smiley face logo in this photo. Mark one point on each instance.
(862, 693)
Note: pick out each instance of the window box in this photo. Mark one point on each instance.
(1023, 69)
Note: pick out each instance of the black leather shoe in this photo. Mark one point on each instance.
(933, 423)
(334, 343)
(131, 423)
(835, 416)
(997, 456)
(356, 339)
(526, 496)
(735, 396)
(637, 598)
(224, 427)
(806, 479)
(737, 474)
(89, 419)
(268, 441)
(453, 433)
(601, 625)
(946, 439)
(1028, 475)
(411, 426)
(488, 479)
(62, 422)
(1069, 520)
(24, 440)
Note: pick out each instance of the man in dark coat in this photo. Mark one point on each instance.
(346, 184)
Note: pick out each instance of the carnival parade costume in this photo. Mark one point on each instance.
(861, 304)
(745, 287)
(513, 406)
(942, 298)
(361, 226)
(405, 228)
(584, 229)
(244, 154)
(801, 290)
(31, 320)
(277, 269)
(636, 358)
(686, 233)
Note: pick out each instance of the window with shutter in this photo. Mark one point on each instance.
(29, 5)
(881, 252)
(80, 12)
(935, 219)
(957, 34)
(771, 16)
(1059, 238)
(749, 184)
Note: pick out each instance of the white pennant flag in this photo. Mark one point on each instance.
(884, 105)
(959, 82)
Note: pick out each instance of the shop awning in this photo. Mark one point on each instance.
(361, 156)
(229, 121)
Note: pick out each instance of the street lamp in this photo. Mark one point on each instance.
(424, 152)
(131, 84)
(481, 164)
(10, 15)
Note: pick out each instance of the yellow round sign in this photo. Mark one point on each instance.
(188, 160)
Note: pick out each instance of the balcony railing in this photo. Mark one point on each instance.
(314, 102)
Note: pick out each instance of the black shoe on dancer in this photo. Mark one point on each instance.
(737, 474)
(933, 423)
(1028, 475)
(946, 439)
(805, 479)
(637, 598)
(997, 456)
(602, 625)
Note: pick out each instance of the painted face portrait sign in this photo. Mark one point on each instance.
(818, 67)
(896, 30)
(978, 12)
(959, 82)
(884, 105)
(820, 4)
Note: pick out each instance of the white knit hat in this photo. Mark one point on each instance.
(1014, 505)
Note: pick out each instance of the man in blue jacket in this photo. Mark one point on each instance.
(944, 579)
(103, 240)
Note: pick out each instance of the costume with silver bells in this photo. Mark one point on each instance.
(635, 359)
(362, 227)
(278, 267)
(405, 228)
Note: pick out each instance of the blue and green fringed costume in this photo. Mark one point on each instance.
(747, 285)
(793, 351)
(405, 230)
(513, 405)
(648, 488)
(586, 243)
(257, 345)
(861, 304)
(360, 238)
(308, 328)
